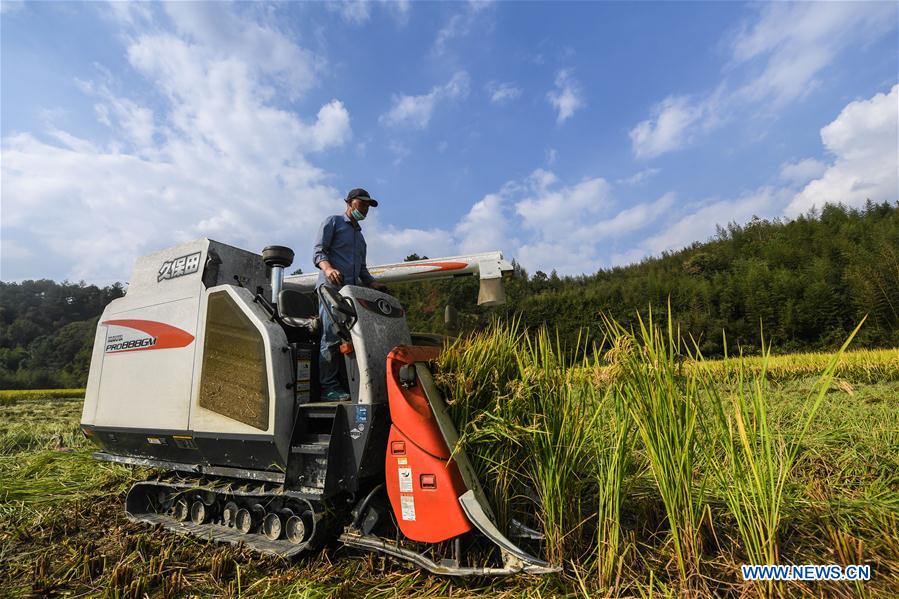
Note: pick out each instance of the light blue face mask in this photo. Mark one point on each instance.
(358, 215)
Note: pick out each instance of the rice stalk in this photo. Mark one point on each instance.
(663, 401)
(612, 455)
(565, 417)
(753, 460)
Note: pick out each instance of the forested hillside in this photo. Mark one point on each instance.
(47, 331)
(808, 281)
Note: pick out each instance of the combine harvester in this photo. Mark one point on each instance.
(207, 372)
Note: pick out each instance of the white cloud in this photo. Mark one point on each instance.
(700, 224)
(484, 227)
(459, 25)
(356, 12)
(399, 10)
(510, 220)
(416, 111)
(863, 141)
(551, 156)
(674, 123)
(458, 86)
(136, 122)
(13, 250)
(550, 210)
(399, 150)
(580, 228)
(640, 177)
(501, 93)
(776, 59)
(548, 256)
(131, 13)
(667, 129)
(390, 244)
(547, 225)
(802, 171)
(11, 6)
(796, 41)
(331, 128)
(630, 219)
(567, 97)
(213, 156)
(102, 112)
(225, 36)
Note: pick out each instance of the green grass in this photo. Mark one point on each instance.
(12, 395)
(582, 450)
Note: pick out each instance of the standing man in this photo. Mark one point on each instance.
(339, 255)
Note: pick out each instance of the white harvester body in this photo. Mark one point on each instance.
(207, 368)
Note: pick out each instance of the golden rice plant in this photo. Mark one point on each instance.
(12, 395)
(857, 366)
(541, 439)
(663, 401)
(750, 457)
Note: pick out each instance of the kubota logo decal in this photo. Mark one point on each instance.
(137, 335)
(185, 265)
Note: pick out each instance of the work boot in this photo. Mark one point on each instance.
(335, 395)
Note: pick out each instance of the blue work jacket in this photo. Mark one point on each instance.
(341, 243)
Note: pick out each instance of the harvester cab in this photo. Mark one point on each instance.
(206, 371)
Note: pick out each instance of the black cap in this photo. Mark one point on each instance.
(360, 194)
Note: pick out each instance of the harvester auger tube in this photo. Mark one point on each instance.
(434, 493)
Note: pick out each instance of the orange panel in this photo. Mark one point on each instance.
(424, 491)
(415, 353)
(410, 411)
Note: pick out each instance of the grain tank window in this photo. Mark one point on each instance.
(233, 381)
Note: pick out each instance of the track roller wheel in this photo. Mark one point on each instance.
(243, 520)
(181, 511)
(198, 512)
(295, 530)
(272, 526)
(229, 514)
(248, 520)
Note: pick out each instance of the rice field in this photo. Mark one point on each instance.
(10, 396)
(857, 366)
(651, 471)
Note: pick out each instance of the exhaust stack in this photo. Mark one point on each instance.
(277, 257)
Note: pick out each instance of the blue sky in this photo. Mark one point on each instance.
(572, 136)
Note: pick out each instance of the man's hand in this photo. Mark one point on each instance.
(333, 276)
